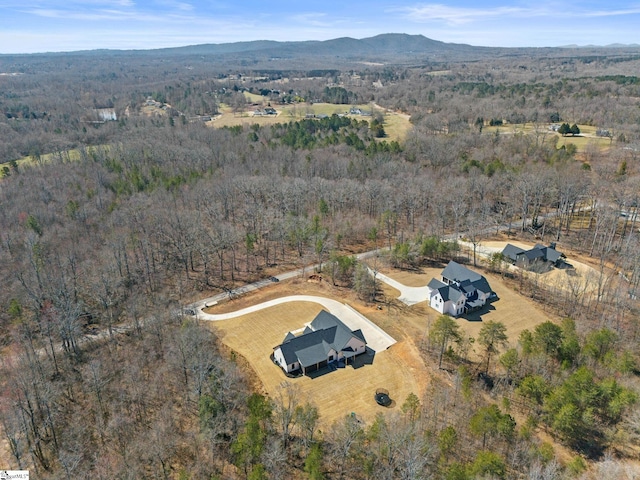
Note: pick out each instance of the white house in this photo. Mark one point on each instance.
(446, 299)
(326, 340)
(460, 291)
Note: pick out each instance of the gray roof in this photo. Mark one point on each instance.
(468, 280)
(553, 255)
(308, 349)
(456, 272)
(550, 253)
(435, 284)
(467, 286)
(482, 285)
(326, 332)
(532, 254)
(512, 252)
(450, 292)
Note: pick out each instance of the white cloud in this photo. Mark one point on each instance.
(177, 5)
(611, 13)
(316, 19)
(451, 15)
(461, 15)
(98, 15)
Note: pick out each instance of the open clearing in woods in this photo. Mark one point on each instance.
(400, 369)
(585, 140)
(396, 124)
(337, 393)
(581, 277)
(516, 311)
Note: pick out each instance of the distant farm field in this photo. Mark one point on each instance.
(396, 124)
(64, 156)
(585, 139)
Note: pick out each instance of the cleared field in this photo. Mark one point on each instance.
(66, 155)
(400, 369)
(587, 136)
(253, 97)
(337, 393)
(396, 125)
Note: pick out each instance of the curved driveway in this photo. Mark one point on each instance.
(408, 295)
(377, 339)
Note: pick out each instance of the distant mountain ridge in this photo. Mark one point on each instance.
(380, 45)
(387, 48)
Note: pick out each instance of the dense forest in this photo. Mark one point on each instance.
(109, 227)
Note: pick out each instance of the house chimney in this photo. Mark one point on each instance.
(552, 245)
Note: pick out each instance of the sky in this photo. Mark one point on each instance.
(31, 26)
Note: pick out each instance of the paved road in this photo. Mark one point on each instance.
(376, 338)
(409, 295)
(197, 307)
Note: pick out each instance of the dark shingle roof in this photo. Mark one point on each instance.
(482, 285)
(532, 254)
(290, 347)
(313, 354)
(539, 251)
(550, 253)
(326, 332)
(449, 292)
(457, 272)
(468, 279)
(511, 252)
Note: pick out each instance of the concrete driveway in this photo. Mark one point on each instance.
(377, 339)
(408, 295)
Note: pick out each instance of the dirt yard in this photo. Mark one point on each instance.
(578, 277)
